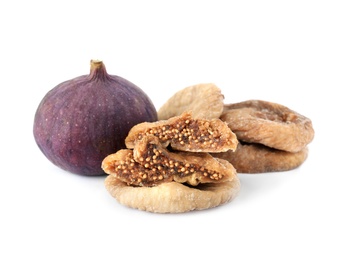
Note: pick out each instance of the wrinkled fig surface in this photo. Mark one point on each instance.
(82, 120)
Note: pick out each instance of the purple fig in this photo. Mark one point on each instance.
(81, 121)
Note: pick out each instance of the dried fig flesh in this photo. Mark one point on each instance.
(150, 164)
(185, 133)
(270, 124)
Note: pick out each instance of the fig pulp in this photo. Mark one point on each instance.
(81, 121)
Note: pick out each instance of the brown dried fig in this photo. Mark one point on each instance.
(270, 124)
(257, 158)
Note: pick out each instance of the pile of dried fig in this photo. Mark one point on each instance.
(271, 136)
(169, 164)
(189, 158)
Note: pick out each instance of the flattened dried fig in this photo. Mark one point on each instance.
(185, 133)
(257, 158)
(270, 124)
(203, 100)
(172, 197)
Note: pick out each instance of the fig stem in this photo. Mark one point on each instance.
(98, 69)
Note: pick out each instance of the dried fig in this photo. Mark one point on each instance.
(82, 120)
(203, 100)
(173, 197)
(268, 123)
(258, 158)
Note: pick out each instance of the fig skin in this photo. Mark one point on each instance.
(81, 121)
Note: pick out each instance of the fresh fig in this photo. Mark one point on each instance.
(81, 121)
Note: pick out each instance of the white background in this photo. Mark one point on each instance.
(289, 52)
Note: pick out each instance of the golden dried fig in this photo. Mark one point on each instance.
(203, 100)
(173, 197)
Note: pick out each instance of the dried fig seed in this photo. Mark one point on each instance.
(172, 197)
(257, 158)
(82, 120)
(185, 167)
(184, 133)
(270, 124)
(204, 100)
